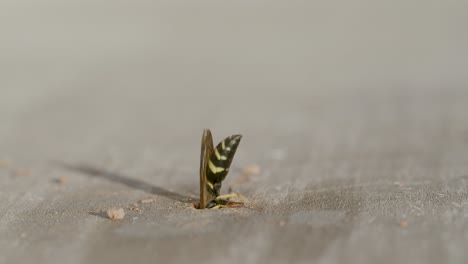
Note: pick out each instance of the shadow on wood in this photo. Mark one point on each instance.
(125, 180)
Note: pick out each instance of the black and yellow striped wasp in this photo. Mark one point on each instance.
(214, 167)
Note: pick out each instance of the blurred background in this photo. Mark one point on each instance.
(126, 56)
(232, 47)
(353, 111)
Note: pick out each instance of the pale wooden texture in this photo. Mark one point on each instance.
(355, 113)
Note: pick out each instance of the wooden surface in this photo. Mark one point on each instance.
(362, 154)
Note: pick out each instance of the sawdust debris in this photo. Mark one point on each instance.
(116, 214)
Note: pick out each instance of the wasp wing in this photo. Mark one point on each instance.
(206, 151)
(219, 163)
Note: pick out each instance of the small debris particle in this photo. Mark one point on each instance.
(147, 201)
(21, 172)
(61, 180)
(135, 209)
(116, 214)
(4, 163)
(282, 223)
(245, 175)
(403, 224)
(251, 170)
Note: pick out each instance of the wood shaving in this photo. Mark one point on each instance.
(147, 201)
(135, 209)
(116, 214)
(233, 204)
(22, 172)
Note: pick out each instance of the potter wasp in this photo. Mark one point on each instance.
(214, 167)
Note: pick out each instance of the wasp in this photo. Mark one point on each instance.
(214, 167)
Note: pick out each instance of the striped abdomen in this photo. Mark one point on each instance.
(219, 163)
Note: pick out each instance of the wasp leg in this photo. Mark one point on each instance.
(226, 197)
(220, 206)
(223, 201)
(211, 204)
